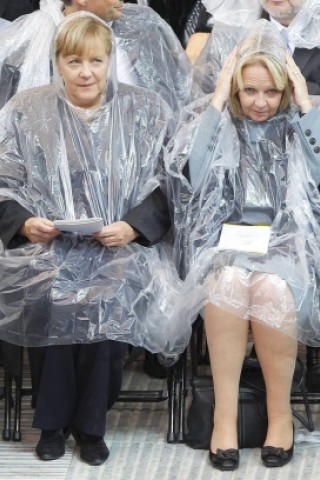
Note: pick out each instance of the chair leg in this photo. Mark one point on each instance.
(180, 435)
(6, 433)
(171, 404)
(16, 435)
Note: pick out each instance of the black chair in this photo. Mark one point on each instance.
(175, 394)
(12, 359)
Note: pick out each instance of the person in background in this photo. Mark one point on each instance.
(206, 12)
(174, 12)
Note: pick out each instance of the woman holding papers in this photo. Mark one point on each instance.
(244, 171)
(85, 147)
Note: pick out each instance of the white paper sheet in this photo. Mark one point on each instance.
(245, 238)
(85, 226)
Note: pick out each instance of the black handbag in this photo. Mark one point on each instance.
(252, 415)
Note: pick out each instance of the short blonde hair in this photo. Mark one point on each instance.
(81, 34)
(277, 71)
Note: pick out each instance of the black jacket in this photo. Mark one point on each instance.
(151, 219)
(12, 9)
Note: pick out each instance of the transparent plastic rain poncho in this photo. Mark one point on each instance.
(3, 23)
(303, 32)
(62, 162)
(156, 54)
(251, 173)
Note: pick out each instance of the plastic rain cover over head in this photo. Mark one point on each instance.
(303, 31)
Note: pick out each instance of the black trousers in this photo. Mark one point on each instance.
(77, 385)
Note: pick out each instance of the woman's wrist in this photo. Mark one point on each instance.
(306, 106)
(218, 102)
(23, 231)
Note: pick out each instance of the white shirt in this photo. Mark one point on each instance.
(283, 32)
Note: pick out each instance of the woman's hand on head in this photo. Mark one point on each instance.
(118, 234)
(223, 86)
(39, 230)
(300, 93)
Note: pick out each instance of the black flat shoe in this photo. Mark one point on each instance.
(225, 459)
(51, 445)
(277, 456)
(93, 449)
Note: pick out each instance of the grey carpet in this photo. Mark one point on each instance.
(136, 436)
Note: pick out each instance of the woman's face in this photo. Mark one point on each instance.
(85, 76)
(259, 97)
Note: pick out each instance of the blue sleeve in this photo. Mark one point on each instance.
(308, 129)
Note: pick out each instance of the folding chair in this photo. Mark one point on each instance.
(12, 358)
(174, 393)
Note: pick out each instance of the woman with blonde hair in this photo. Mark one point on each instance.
(81, 203)
(246, 215)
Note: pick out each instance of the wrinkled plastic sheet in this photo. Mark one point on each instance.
(251, 173)
(231, 25)
(62, 162)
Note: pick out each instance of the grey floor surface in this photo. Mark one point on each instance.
(136, 437)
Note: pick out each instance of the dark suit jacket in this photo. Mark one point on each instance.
(174, 12)
(309, 63)
(151, 219)
(12, 9)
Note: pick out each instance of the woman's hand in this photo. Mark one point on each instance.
(300, 93)
(223, 86)
(39, 230)
(118, 234)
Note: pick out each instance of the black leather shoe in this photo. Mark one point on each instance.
(277, 456)
(225, 459)
(93, 449)
(51, 445)
(313, 369)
